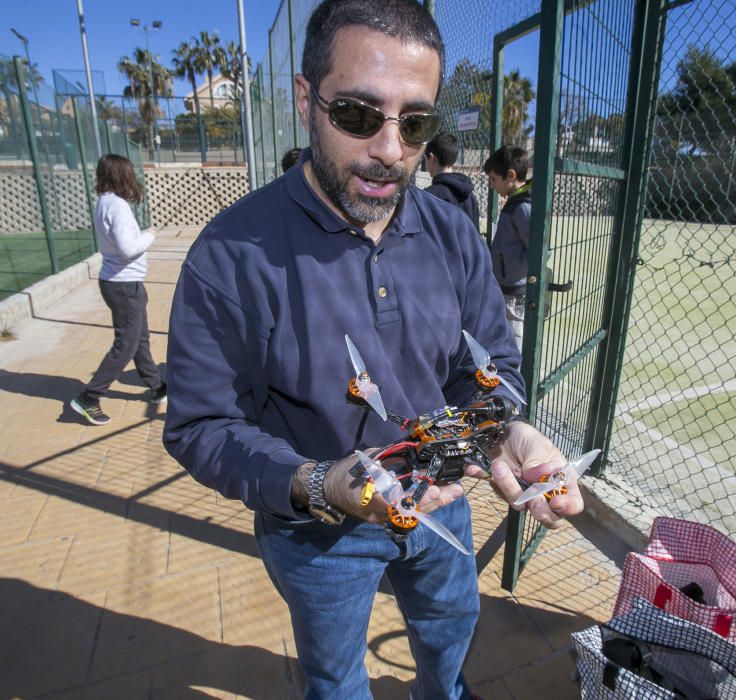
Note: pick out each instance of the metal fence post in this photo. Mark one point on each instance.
(108, 140)
(643, 79)
(85, 174)
(496, 133)
(273, 103)
(33, 150)
(548, 94)
(260, 117)
(202, 137)
(292, 54)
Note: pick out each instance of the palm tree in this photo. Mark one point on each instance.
(138, 72)
(229, 63)
(206, 47)
(186, 65)
(517, 94)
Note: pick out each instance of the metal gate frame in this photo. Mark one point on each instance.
(524, 535)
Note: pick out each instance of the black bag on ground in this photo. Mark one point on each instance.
(650, 655)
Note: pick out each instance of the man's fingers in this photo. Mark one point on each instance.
(476, 472)
(506, 483)
(438, 496)
(569, 504)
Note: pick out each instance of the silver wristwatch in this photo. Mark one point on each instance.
(318, 505)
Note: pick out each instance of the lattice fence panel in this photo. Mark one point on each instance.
(67, 201)
(65, 194)
(192, 196)
(20, 211)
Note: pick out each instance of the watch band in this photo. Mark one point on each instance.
(318, 505)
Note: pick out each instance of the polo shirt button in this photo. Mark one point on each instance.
(353, 233)
(382, 292)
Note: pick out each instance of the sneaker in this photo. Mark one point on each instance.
(158, 395)
(92, 413)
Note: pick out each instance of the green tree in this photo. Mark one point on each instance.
(469, 86)
(8, 86)
(206, 46)
(220, 124)
(138, 71)
(108, 110)
(700, 113)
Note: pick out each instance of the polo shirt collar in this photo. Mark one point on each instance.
(406, 219)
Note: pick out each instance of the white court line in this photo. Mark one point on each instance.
(690, 393)
(687, 452)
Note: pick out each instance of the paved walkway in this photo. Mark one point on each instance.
(121, 577)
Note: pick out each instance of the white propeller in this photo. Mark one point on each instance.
(482, 359)
(392, 492)
(559, 478)
(366, 388)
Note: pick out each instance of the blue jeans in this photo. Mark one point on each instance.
(328, 577)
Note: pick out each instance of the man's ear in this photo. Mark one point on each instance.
(303, 101)
(511, 175)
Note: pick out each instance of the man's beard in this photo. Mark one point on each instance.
(358, 207)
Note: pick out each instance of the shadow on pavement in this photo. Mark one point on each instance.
(55, 642)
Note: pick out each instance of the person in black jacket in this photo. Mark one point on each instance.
(506, 170)
(441, 154)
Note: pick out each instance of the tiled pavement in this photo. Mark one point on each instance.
(120, 577)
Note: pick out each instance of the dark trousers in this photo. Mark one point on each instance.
(127, 301)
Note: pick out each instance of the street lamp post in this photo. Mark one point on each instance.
(88, 74)
(156, 24)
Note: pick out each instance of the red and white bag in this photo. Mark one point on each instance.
(690, 556)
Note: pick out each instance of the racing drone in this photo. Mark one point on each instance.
(437, 445)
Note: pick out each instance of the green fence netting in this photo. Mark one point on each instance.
(47, 163)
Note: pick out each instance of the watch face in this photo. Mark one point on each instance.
(326, 514)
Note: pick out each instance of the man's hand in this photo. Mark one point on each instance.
(343, 490)
(526, 454)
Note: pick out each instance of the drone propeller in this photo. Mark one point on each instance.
(435, 525)
(559, 478)
(385, 482)
(392, 492)
(367, 390)
(482, 359)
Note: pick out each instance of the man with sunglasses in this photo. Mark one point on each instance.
(258, 365)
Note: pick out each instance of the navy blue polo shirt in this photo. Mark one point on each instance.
(258, 367)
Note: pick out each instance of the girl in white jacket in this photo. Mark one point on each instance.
(123, 246)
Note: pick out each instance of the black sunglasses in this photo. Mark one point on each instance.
(357, 118)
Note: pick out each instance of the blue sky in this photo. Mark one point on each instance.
(53, 31)
(52, 28)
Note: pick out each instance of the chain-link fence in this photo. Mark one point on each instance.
(47, 182)
(674, 435)
(172, 131)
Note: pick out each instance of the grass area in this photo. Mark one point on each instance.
(24, 258)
